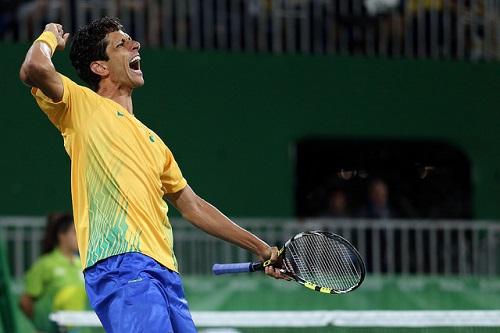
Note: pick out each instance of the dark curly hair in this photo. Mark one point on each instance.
(89, 44)
(57, 223)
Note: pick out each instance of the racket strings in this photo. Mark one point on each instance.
(323, 261)
(327, 270)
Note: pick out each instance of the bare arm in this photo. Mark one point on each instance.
(208, 218)
(26, 303)
(38, 70)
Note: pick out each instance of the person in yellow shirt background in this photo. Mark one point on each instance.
(55, 281)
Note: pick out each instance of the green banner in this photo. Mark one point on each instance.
(257, 292)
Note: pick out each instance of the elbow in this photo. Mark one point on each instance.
(23, 76)
(30, 72)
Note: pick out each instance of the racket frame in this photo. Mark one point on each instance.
(256, 266)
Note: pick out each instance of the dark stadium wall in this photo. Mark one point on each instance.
(231, 121)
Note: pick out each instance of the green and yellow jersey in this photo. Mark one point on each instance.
(56, 283)
(120, 171)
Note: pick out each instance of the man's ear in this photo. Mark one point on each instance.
(100, 68)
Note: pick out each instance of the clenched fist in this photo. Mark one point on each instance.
(58, 31)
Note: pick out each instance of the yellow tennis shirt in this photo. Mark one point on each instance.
(120, 171)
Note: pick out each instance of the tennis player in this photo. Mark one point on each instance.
(121, 172)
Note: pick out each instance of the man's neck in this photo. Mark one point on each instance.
(120, 96)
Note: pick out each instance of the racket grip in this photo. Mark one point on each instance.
(242, 267)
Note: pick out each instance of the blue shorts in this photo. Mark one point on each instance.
(133, 293)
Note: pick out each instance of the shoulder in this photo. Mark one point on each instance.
(78, 88)
(42, 265)
(48, 259)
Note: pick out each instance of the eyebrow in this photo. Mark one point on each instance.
(123, 39)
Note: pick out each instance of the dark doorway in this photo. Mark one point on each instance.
(424, 179)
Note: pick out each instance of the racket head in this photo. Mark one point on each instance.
(323, 261)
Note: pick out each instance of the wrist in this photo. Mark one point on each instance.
(48, 38)
(264, 251)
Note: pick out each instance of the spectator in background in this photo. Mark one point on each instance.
(55, 281)
(33, 15)
(378, 206)
(375, 7)
(336, 205)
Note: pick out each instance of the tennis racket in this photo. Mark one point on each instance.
(319, 260)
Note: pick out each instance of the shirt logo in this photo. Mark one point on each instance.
(119, 114)
(151, 138)
(59, 271)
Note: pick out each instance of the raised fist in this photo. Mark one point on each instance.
(58, 31)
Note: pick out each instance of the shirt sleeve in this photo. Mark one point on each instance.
(61, 113)
(33, 281)
(172, 180)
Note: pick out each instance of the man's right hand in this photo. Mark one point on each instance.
(276, 272)
(38, 70)
(58, 31)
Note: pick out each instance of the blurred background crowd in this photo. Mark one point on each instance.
(458, 29)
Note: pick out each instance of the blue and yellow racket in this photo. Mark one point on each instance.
(319, 260)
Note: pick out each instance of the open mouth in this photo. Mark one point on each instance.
(135, 63)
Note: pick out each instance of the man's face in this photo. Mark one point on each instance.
(124, 64)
